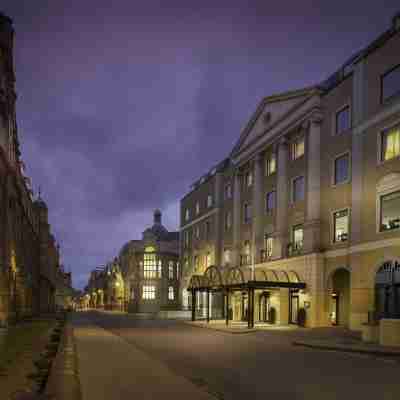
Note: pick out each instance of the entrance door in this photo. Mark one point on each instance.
(335, 309)
(294, 308)
(245, 313)
(264, 307)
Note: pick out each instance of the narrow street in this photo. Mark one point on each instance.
(119, 355)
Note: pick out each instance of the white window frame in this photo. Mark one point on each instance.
(333, 239)
(292, 191)
(348, 153)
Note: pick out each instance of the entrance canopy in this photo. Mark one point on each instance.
(236, 278)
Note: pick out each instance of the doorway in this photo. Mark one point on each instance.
(340, 298)
(294, 307)
(245, 307)
(264, 307)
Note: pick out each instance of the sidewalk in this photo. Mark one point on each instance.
(110, 368)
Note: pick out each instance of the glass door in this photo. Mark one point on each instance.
(294, 308)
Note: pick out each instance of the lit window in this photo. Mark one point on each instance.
(343, 120)
(341, 169)
(197, 232)
(270, 201)
(247, 212)
(149, 265)
(270, 165)
(390, 83)
(249, 178)
(227, 256)
(187, 214)
(298, 237)
(196, 263)
(390, 211)
(186, 238)
(228, 220)
(171, 270)
(269, 244)
(171, 293)
(159, 268)
(390, 143)
(209, 200)
(298, 148)
(298, 189)
(341, 226)
(177, 270)
(208, 259)
(246, 247)
(197, 208)
(149, 292)
(228, 191)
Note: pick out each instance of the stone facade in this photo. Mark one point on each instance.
(144, 278)
(29, 257)
(310, 187)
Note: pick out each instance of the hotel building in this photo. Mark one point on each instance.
(301, 222)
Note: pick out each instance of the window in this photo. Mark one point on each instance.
(171, 293)
(197, 232)
(228, 191)
(246, 247)
(132, 293)
(197, 208)
(390, 143)
(186, 238)
(209, 200)
(247, 212)
(187, 214)
(298, 189)
(298, 237)
(341, 169)
(390, 84)
(249, 178)
(149, 292)
(270, 164)
(228, 220)
(171, 270)
(177, 270)
(159, 268)
(149, 265)
(208, 259)
(341, 226)
(227, 256)
(390, 211)
(342, 122)
(196, 262)
(208, 229)
(270, 201)
(269, 244)
(298, 148)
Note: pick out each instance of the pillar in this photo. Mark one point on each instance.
(282, 201)
(313, 206)
(236, 219)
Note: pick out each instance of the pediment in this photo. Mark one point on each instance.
(270, 112)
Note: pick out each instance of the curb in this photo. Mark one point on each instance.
(63, 382)
(233, 332)
(374, 352)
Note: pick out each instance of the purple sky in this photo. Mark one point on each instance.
(123, 104)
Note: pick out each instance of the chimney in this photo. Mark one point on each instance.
(157, 217)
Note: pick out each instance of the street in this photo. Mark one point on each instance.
(237, 366)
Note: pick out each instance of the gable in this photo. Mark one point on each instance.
(269, 113)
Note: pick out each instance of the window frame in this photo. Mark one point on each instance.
(294, 227)
(187, 214)
(293, 201)
(382, 131)
(209, 200)
(170, 270)
(266, 238)
(227, 217)
(337, 112)
(268, 159)
(149, 292)
(379, 216)
(294, 144)
(248, 178)
(382, 77)
(348, 179)
(197, 207)
(247, 205)
(171, 298)
(333, 230)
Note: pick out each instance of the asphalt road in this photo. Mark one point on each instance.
(256, 365)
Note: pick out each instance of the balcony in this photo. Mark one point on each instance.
(245, 259)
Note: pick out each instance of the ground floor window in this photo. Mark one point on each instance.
(390, 211)
(171, 293)
(341, 225)
(149, 292)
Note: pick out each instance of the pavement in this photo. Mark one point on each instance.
(121, 356)
(111, 368)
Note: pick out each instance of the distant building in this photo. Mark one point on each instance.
(305, 211)
(144, 278)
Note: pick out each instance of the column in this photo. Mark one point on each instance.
(258, 209)
(236, 219)
(313, 178)
(282, 201)
(218, 199)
